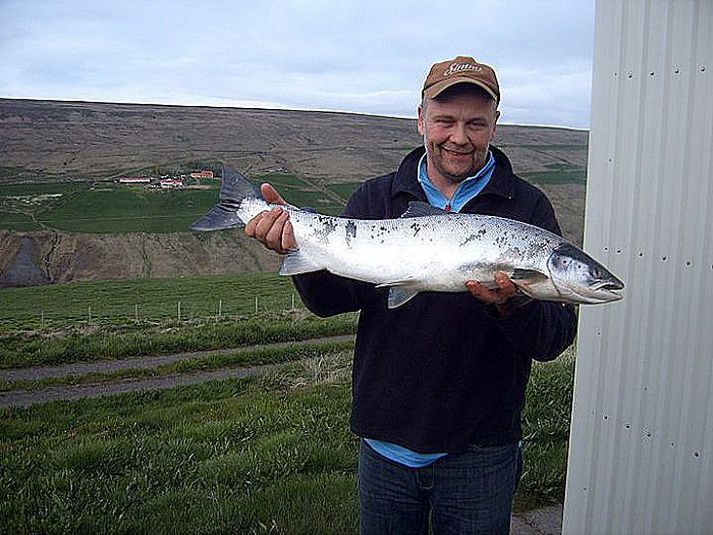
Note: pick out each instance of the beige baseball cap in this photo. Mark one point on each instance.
(462, 69)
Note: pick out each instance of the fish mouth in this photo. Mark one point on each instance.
(608, 285)
(612, 289)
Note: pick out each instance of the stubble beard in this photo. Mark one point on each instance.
(456, 178)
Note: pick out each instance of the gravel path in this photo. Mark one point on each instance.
(36, 373)
(25, 398)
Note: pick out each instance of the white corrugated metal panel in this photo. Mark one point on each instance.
(641, 448)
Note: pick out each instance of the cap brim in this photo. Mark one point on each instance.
(438, 88)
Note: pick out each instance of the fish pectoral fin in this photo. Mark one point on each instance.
(296, 262)
(421, 209)
(531, 275)
(398, 295)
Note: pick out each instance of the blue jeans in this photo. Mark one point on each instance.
(468, 492)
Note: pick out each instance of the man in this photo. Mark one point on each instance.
(439, 383)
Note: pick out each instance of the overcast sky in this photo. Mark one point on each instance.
(362, 56)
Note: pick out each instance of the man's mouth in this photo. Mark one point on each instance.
(457, 152)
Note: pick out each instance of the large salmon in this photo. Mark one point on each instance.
(426, 250)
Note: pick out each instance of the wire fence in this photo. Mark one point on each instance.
(97, 310)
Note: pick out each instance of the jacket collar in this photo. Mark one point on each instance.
(406, 181)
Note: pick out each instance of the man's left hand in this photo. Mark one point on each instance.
(498, 296)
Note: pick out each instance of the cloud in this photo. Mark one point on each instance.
(365, 56)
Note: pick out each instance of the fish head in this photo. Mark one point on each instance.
(578, 278)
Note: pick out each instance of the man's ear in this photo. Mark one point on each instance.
(421, 120)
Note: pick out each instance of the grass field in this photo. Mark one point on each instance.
(109, 208)
(72, 322)
(17, 221)
(147, 299)
(115, 210)
(266, 454)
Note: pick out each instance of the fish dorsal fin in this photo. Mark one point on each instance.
(421, 209)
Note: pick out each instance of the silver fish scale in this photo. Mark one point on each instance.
(437, 252)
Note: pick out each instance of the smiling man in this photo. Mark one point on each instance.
(439, 383)
(458, 122)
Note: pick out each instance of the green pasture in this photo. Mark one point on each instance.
(91, 341)
(264, 454)
(147, 299)
(110, 208)
(92, 320)
(17, 221)
(130, 209)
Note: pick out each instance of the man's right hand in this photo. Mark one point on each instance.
(272, 228)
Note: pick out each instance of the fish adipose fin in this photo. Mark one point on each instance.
(234, 187)
(296, 263)
(421, 209)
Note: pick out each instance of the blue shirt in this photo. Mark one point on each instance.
(466, 190)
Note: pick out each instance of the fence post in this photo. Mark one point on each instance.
(136, 311)
(256, 304)
(179, 311)
(90, 313)
(220, 308)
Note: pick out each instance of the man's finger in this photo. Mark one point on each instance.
(273, 237)
(271, 195)
(288, 237)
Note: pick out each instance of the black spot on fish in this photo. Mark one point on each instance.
(350, 231)
(325, 227)
(416, 228)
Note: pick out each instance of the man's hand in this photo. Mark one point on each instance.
(499, 296)
(272, 228)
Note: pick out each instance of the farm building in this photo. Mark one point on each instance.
(202, 174)
(134, 180)
(169, 183)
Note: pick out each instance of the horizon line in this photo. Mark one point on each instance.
(276, 107)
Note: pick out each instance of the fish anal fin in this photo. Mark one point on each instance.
(296, 263)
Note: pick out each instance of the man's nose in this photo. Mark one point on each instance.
(459, 135)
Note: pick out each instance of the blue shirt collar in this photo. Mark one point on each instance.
(466, 190)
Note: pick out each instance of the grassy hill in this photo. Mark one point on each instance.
(63, 217)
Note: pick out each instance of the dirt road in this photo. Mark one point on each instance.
(26, 398)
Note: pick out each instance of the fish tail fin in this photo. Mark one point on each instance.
(232, 210)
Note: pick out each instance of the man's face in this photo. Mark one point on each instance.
(457, 132)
